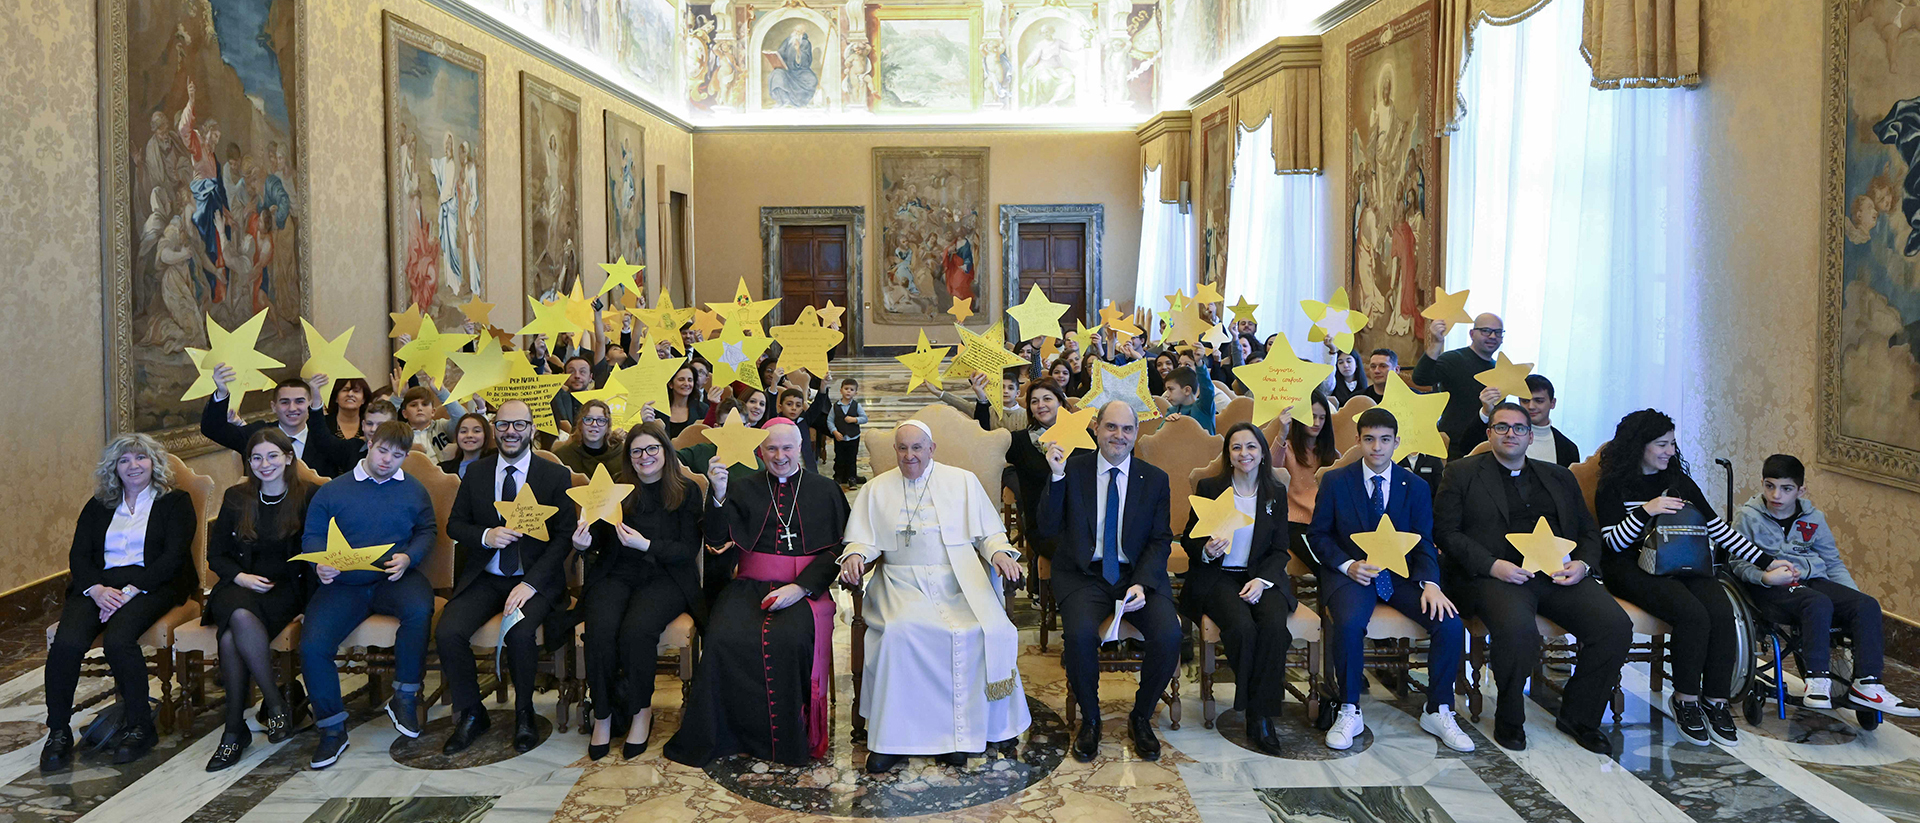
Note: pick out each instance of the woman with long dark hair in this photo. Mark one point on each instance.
(1642, 477)
(1347, 381)
(685, 406)
(260, 589)
(1044, 399)
(1309, 449)
(349, 395)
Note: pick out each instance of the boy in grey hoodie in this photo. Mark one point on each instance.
(1817, 594)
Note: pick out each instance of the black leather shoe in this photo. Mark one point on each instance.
(232, 746)
(1260, 730)
(1008, 747)
(629, 751)
(468, 728)
(134, 744)
(57, 754)
(595, 751)
(957, 760)
(1592, 740)
(1512, 737)
(526, 733)
(1145, 745)
(1086, 744)
(878, 763)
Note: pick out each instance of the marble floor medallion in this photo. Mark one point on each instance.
(494, 746)
(396, 809)
(1298, 738)
(1385, 804)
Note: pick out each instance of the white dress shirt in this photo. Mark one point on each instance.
(126, 543)
(360, 473)
(1366, 485)
(1102, 471)
(520, 482)
(299, 441)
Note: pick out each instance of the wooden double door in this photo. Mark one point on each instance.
(813, 270)
(1053, 256)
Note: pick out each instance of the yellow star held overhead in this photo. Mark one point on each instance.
(579, 309)
(734, 441)
(744, 310)
(429, 351)
(482, 369)
(600, 498)
(1069, 429)
(525, 514)
(1333, 320)
(629, 300)
(735, 356)
(1217, 335)
(655, 339)
(648, 379)
(1386, 546)
(1418, 415)
(237, 348)
(1449, 307)
(1243, 310)
(1038, 316)
(1281, 381)
(1083, 336)
(1541, 550)
(477, 310)
(1217, 515)
(250, 380)
(665, 317)
(1208, 293)
(805, 343)
(1127, 384)
(1177, 300)
(1118, 320)
(620, 273)
(962, 309)
(343, 557)
(616, 393)
(501, 336)
(923, 365)
(549, 319)
(328, 357)
(534, 389)
(1049, 350)
(1507, 376)
(830, 315)
(982, 353)
(1184, 325)
(707, 322)
(405, 323)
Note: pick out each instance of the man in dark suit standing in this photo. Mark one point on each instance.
(1456, 373)
(1109, 514)
(1483, 499)
(294, 404)
(499, 570)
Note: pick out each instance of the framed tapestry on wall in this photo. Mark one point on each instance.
(549, 188)
(1394, 204)
(203, 183)
(626, 175)
(928, 204)
(1216, 175)
(1870, 285)
(436, 153)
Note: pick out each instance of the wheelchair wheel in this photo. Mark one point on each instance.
(1869, 719)
(1748, 630)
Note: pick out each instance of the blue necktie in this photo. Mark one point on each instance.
(1382, 582)
(1110, 535)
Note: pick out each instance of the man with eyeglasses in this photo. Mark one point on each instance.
(1455, 373)
(498, 570)
(1486, 499)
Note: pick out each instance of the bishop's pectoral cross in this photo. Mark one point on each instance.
(789, 536)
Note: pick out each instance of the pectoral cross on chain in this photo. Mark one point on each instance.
(909, 531)
(789, 537)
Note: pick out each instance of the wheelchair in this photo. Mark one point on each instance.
(1772, 644)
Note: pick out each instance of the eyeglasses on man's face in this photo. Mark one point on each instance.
(1515, 428)
(1490, 332)
(512, 425)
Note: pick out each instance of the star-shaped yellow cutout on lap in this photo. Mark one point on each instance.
(744, 310)
(534, 389)
(804, 343)
(1118, 320)
(237, 348)
(734, 441)
(1449, 307)
(477, 310)
(1507, 376)
(664, 318)
(1418, 415)
(1386, 546)
(620, 273)
(1127, 384)
(1038, 316)
(982, 353)
(429, 351)
(962, 309)
(1208, 293)
(405, 323)
(1541, 550)
(830, 315)
(525, 514)
(1243, 310)
(1184, 325)
(1070, 430)
(482, 369)
(735, 356)
(1218, 517)
(328, 357)
(923, 364)
(1281, 381)
(343, 557)
(1333, 320)
(600, 498)
(1083, 336)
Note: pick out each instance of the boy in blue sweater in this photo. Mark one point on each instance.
(1818, 593)
(1190, 394)
(372, 504)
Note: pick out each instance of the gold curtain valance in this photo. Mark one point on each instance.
(1642, 43)
(1164, 145)
(1282, 81)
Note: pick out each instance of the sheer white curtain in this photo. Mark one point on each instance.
(1166, 249)
(1567, 216)
(1276, 240)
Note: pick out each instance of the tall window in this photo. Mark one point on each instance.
(1567, 216)
(1166, 248)
(1276, 239)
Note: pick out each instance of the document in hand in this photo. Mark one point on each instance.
(1113, 629)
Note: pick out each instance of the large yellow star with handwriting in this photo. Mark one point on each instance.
(620, 273)
(482, 369)
(1280, 381)
(1541, 550)
(238, 349)
(1070, 430)
(804, 344)
(1218, 517)
(1449, 307)
(534, 389)
(600, 498)
(525, 514)
(430, 350)
(1418, 415)
(1127, 384)
(663, 317)
(328, 357)
(735, 356)
(343, 557)
(734, 441)
(1507, 376)
(982, 353)
(1333, 320)
(1038, 316)
(648, 379)
(923, 364)
(1387, 547)
(744, 310)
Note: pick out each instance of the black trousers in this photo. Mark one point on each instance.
(1819, 605)
(1702, 645)
(1585, 609)
(625, 617)
(485, 597)
(1080, 614)
(846, 456)
(1255, 638)
(119, 639)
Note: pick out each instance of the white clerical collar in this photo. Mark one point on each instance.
(917, 482)
(360, 473)
(783, 480)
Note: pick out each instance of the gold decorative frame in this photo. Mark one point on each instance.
(971, 161)
(914, 14)
(533, 91)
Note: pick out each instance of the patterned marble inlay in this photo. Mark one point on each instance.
(398, 809)
(1892, 789)
(1386, 804)
(495, 745)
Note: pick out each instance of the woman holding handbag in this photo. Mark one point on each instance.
(1664, 542)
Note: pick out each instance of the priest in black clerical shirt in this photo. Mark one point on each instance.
(764, 672)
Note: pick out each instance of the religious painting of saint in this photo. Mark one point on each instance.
(626, 173)
(204, 167)
(933, 243)
(1216, 174)
(549, 187)
(436, 149)
(927, 60)
(1393, 177)
(793, 57)
(1051, 61)
(1870, 290)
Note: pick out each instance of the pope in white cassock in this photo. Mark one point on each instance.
(940, 676)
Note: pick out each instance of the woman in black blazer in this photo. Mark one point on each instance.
(131, 563)
(1044, 400)
(1240, 580)
(260, 589)
(641, 575)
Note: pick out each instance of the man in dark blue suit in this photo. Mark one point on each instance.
(1352, 500)
(1109, 514)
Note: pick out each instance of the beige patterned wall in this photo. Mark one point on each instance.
(51, 233)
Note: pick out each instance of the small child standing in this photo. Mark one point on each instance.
(1817, 593)
(848, 417)
(430, 434)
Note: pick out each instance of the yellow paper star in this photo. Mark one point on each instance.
(534, 389)
(1037, 316)
(1208, 293)
(805, 343)
(620, 273)
(1069, 429)
(525, 514)
(549, 319)
(1387, 547)
(1243, 310)
(655, 339)
(982, 353)
(1280, 381)
(830, 315)
(1541, 550)
(485, 367)
(328, 357)
(1418, 415)
(579, 311)
(405, 323)
(1184, 325)
(1083, 336)
(707, 322)
(600, 498)
(343, 557)
(664, 317)
(962, 309)
(647, 380)
(629, 300)
(1217, 335)
(923, 365)
(250, 380)
(1449, 307)
(1177, 300)
(1334, 320)
(1507, 376)
(744, 310)
(1218, 516)
(1118, 321)
(477, 310)
(735, 356)
(1127, 384)
(237, 348)
(502, 337)
(429, 351)
(616, 393)
(734, 441)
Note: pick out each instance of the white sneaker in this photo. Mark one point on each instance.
(1443, 725)
(1869, 694)
(1819, 693)
(1346, 728)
